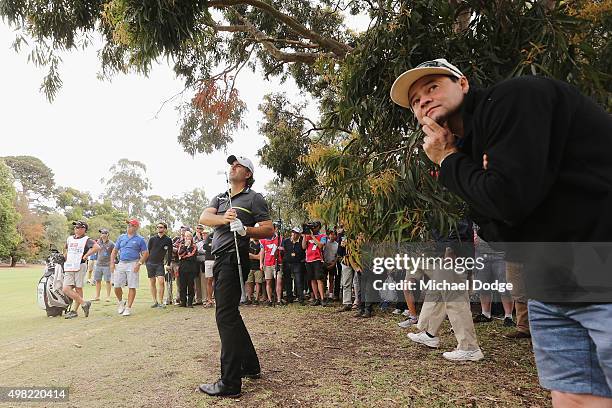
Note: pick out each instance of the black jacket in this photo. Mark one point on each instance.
(549, 179)
(550, 163)
(293, 251)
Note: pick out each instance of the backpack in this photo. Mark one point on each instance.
(50, 296)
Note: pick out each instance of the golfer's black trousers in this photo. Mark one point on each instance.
(237, 351)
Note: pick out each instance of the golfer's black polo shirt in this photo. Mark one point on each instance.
(250, 207)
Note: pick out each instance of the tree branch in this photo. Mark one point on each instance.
(231, 28)
(293, 43)
(304, 57)
(337, 48)
(317, 129)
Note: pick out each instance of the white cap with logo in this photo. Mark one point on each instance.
(242, 161)
(401, 86)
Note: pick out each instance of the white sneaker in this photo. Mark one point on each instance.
(408, 322)
(121, 306)
(463, 355)
(406, 313)
(422, 338)
(126, 312)
(396, 311)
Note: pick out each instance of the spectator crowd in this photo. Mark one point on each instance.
(303, 266)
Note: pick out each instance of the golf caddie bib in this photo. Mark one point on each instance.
(76, 248)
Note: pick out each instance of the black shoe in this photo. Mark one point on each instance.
(508, 322)
(302, 302)
(248, 302)
(366, 314)
(270, 303)
(86, 306)
(70, 315)
(256, 302)
(317, 302)
(517, 334)
(480, 318)
(345, 308)
(219, 389)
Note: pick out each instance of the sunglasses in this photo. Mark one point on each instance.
(79, 226)
(161, 227)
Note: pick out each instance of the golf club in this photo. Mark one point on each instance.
(229, 196)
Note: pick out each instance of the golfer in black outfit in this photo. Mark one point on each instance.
(238, 356)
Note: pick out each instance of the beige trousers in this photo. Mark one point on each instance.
(514, 275)
(455, 304)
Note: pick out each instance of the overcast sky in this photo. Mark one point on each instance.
(98, 122)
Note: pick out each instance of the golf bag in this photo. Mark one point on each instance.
(50, 296)
(169, 278)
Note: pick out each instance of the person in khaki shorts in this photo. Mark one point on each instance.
(78, 248)
(255, 278)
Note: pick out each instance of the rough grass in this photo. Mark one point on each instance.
(310, 357)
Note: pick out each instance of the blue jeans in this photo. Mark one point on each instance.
(573, 347)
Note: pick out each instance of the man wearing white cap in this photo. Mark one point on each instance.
(234, 225)
(78, 248)
(525, 154)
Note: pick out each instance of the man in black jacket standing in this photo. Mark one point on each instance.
(531, 156)
(160, 247)
(293, 263)
(238, 356)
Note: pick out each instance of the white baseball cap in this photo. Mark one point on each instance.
(243, 161)
(401, 86)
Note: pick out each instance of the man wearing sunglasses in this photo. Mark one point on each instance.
(234, 225)
(531, 157)
(78, 248)
(160, 247)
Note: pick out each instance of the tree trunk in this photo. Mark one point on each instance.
(13, 261)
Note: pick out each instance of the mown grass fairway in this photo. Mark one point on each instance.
(310, 357)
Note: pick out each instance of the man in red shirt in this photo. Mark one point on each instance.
(270, 260)
(313, 243)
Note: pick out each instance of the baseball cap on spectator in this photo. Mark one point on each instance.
(243, 161)
(103, 231)
(81, 224)
(134, 222)
(297, 229)
(401, 86)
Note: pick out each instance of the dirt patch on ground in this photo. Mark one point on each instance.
(310, 356)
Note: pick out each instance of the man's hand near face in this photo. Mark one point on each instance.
(439, 141)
